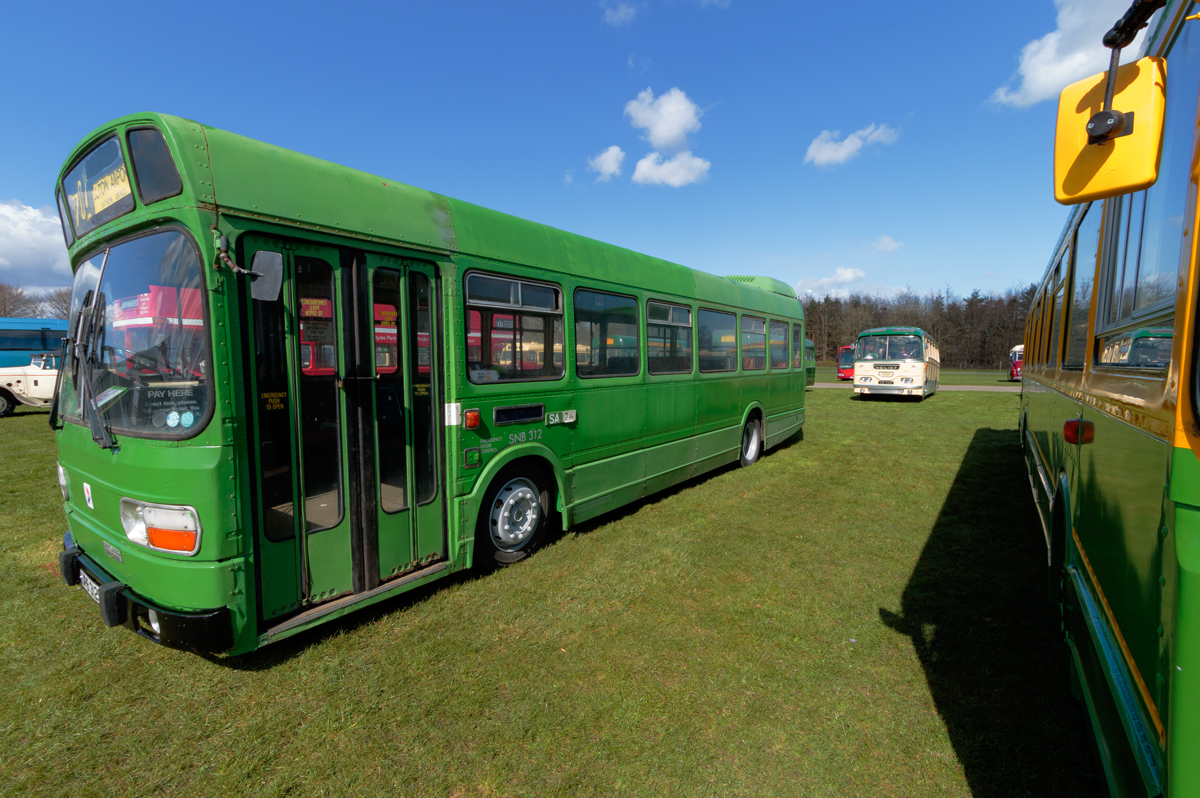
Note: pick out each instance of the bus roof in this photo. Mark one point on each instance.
(894, 331)
(14, 323)
(260, 181)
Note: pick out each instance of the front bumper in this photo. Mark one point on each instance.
(209, 631)
(894, 390)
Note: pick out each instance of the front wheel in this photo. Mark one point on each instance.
(751, 442)
(512, 519)
(7, 404)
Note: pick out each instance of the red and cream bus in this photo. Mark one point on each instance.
(1016, 360)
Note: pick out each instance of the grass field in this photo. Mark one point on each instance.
(861, 613)
(948, 376)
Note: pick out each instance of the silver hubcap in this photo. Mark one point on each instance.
(750, 442)
(515, 514)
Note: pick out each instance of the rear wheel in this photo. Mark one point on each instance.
(513, 517)
(751, 442)
(7, 404)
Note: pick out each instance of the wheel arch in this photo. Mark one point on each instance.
(535, 454)
(752, 409)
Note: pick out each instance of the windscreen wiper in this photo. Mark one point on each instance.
(91, 325)
(62, 366)
(87, 391)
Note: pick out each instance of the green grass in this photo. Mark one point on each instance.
(860, 613)
(948, 376)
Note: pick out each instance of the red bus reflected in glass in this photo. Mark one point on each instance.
(387, 341)
(143, 340)
(504, 329)
(318, 344)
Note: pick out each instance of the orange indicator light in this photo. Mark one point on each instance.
(471, 419)
(171, 539)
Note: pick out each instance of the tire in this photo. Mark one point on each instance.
(752, 442)
(513, 517)
(7, 404)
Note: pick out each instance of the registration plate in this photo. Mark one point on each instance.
(89, 585)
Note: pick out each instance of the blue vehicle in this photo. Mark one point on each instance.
(20, 338)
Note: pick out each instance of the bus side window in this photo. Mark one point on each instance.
(511, 326)
(668, 339)
(1142, 267)
(1079, 299)
(779, 344)
(1056, 310)
(798, 347)
(717, 341)
(754, 343)
(606, 335)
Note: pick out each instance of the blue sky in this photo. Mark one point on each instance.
(834, 146)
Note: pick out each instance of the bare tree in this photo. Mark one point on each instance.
(56, 303)
(16, 301)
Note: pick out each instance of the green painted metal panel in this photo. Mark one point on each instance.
(1119, 506)
(1183, 765)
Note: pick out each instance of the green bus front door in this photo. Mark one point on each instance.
(343, 380)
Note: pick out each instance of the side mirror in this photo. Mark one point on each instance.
(266, 276)
(1088, 167)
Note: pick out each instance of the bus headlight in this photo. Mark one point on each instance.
(64, 484)
(907, 380)
(165, 527)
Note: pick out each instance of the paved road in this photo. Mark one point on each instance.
(993, 388)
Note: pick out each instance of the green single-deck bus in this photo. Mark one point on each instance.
(1109, 417)
(296, 389)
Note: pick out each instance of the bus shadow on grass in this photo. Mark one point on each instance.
(977, 612)
(275, 654)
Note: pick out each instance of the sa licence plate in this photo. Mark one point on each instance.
(89, 585)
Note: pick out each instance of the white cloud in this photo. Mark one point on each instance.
(886, 244)
(680, 170)
(569, 177)
(667, 120)
(31, 246)
(1070, 52)
(618, 14)
(607, 164)
(639, 63)
(828, 149)
(833, 284)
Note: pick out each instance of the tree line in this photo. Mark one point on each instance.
(972, 332)
(52, 304)
(976, 331)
